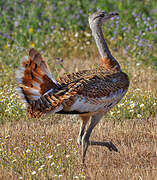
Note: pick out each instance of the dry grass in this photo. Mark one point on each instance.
(135, 139)
(47, 149)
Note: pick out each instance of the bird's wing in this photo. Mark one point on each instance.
(88, 91)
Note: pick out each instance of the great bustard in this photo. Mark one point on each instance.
(89, 93)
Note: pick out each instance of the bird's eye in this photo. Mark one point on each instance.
(101, 15)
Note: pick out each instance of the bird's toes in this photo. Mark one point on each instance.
(112, 147)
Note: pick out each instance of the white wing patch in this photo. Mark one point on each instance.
(85, 104)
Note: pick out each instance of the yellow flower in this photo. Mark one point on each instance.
(120, 38)
(33, 44)
(6, 46)
(31, 30)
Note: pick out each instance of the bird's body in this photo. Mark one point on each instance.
(89, 93)
(84, 92)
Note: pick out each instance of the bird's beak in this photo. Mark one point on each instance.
(112, 14)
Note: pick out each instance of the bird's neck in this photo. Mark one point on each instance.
(103, 47)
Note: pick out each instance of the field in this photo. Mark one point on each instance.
(46, 148)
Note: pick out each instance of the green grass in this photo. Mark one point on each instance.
(46, 148)
(59, 24)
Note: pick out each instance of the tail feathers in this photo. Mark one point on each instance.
(34, 78)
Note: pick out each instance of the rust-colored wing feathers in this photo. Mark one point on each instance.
(35, 80)
(81, 92)
(34, 74)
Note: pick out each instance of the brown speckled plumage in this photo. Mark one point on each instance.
(89, 93)
(93, 84)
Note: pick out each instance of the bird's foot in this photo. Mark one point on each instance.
(112, 147)
(109, 145)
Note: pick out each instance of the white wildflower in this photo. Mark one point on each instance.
(14, 160)
(76, 35)
(7, 136)
(28, 150)
(111, 112)
(139, 115)
(52, 164)
(76, 177)
(141, 105)
(137, 89)
(50, 156)
(33, 172)
(41, 167)
(132, 105)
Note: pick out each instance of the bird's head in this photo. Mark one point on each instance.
(99, 18)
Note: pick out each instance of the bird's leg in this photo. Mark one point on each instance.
(85, 140)
(82, 128)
